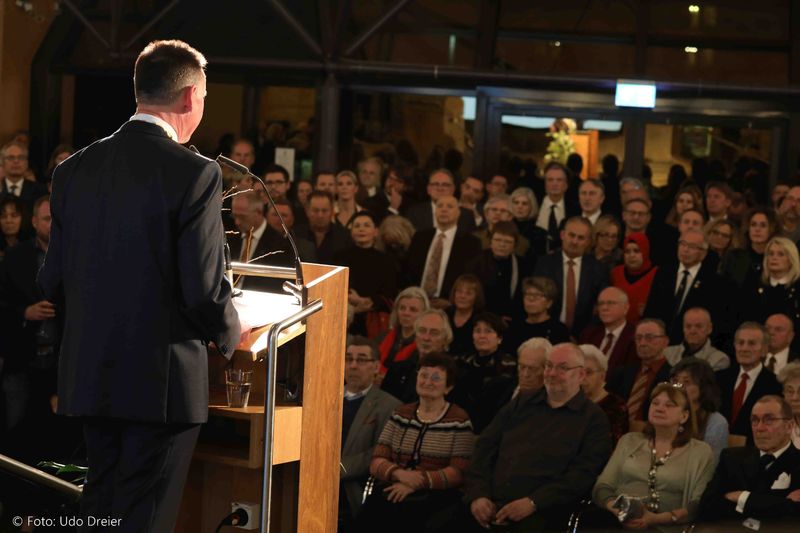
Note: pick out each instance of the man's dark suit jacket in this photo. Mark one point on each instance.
(271, 241)
(739, 469)
(18, 290)
(663, 243)
(593, 279)
(31, 191)
(708, 290)
(621, 381)
(136, 262)
(624, 352)
(336, 240)
(765, 383)
(421, 216)
(465, 247)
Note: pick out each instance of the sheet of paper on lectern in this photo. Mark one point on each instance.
(258, 308)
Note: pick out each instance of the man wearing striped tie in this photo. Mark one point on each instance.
(635, 382)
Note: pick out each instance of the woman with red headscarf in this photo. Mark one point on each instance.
(635, 274)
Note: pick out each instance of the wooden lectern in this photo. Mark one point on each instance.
(228, 464)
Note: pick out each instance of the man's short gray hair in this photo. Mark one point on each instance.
(446, 329)
(536, 343)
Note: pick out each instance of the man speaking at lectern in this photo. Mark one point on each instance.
(136, 263)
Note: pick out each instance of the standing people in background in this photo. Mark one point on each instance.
(688, 197)
(145, 399)
(304, 188)
(370, 172)
(471, 197)
(346, 192)
(718, 200)
(15, 169)
(746, 264)
(554, 210)
(605, 236)
(60, 153)
(789, 215)
(591, 195)
(441, 183)
(497, 184)
(324, 181)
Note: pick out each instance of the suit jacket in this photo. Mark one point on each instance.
(370, 418)
(765, 383)
(421, 216)
(18, 290)
(31, 191)
(739, 469)
(621, 381)
(593, 279)
(465, 247)
(140, 275)
(663, 242)
(708, 290)
(624, 352)
(336, 240)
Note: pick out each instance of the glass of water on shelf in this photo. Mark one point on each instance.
(237, 385)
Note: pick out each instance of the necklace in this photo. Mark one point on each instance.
(654, 498)
(431, 420)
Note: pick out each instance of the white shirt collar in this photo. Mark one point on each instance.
(547, 202)
(777, 453)
(779, 281)
(356, 395)
(692, 270)
(593, 217)
(257, 233)
(781, 356)
(163, 124)
(18, 185)
(448, 233)
(576, 260)
(617, 331)
(753, 373)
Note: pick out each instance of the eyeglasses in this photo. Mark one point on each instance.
(767, 420)
(649, 337)
(560, 369)
(360, 361)
(433, 377)
(590, 372)
(691, 245)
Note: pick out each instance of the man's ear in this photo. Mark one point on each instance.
(187, 102)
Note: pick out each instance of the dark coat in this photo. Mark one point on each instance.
(708, 290)
(624, 352)
(336, 240)
(136, 261)
(593, 279)
(421, 216)
(465, 247)
(31, 191)
(739, 469)
(765, 383)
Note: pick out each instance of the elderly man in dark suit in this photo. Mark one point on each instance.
(366, 410)
(578, 275)
(761, 482)
(686, 283)
(139, 274)
(437, 256)
(441, 183)
(744, 383)
(614, 335)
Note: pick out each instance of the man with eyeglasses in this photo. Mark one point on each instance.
(530, 489)
(15, 166)
(686, 283)
(638, 218)
(365, 411)
(422, 215)
(761, 483)
(614, 335)
(498, 209)
(432, 333)
(636, 381)
(744, 383)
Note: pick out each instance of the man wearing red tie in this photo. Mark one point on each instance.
(614, 335)
(744, 383)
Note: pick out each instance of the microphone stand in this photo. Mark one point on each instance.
(298, 289)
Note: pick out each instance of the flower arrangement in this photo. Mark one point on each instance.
(561, 144)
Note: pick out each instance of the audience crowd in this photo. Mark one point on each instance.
(519, 343)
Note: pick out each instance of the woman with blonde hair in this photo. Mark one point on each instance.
(605, 236)
(664, 468)
(525, 209)
(398, 344)
(394, 238)
(723, 236)
(345, 207)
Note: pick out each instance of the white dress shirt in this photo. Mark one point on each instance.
(163, 124)
(577, 269)
(616, 332)
(447, 246)
(752, 375)
(689, 281)
(257, 233)
(591, 218)
(781, 360)
(543, 218)
(18, 186)
(740, 503)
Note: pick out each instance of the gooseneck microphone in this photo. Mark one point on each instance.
(298, 288)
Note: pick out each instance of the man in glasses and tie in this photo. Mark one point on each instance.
(15, 166)
(760, 483)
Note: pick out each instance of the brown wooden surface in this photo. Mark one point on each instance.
(323, 386)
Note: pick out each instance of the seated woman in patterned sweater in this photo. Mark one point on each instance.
(421, 455)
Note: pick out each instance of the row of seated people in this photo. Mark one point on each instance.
(557, 440)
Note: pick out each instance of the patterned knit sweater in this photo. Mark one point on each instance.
(441, 449)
